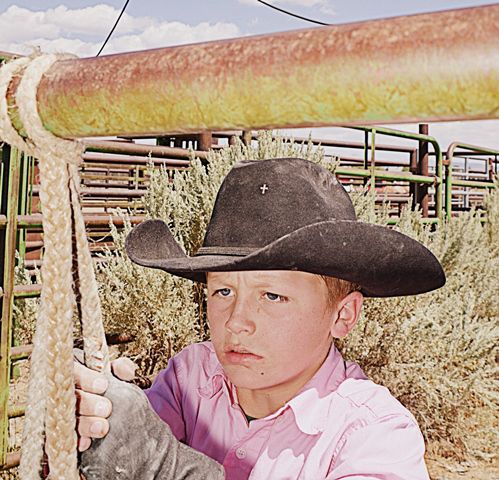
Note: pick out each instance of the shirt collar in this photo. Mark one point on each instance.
(214, 383)
(310, 405)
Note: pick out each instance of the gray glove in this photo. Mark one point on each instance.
(141, 446)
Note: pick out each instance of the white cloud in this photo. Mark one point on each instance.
(57, 45)
(173, 33)
(96, 20)
(15, 23)
(82, 31)
(322, 6)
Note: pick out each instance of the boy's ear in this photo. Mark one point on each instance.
(346, 313)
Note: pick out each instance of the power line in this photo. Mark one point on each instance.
(114, 27)
(292, 14)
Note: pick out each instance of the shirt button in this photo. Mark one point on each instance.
(241, 453)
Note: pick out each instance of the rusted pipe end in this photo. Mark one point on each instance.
(11, 103)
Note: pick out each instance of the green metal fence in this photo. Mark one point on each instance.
(450, 181)
(16, 173)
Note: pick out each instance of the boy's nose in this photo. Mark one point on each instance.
(240, 320)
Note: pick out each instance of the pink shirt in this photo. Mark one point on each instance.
(339, 426)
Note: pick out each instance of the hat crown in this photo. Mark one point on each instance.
(264, 200)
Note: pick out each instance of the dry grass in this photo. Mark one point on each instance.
(436, 352)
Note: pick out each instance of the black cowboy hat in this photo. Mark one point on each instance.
(292, 214)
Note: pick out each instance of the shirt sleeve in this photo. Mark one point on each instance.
(389, 448)
(165, 397)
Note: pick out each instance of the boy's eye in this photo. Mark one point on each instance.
(223, 292)
(274, 297)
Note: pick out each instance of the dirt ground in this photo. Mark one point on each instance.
(478, 472)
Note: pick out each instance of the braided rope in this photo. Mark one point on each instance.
(94, 339)
(50, 414)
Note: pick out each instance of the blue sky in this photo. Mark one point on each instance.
(80, 26)
(253, 18)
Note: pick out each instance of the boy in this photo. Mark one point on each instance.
(286, 265)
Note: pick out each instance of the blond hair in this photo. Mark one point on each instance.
(338, 289)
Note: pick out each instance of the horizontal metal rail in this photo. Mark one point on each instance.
(7, 56)
(12, 459)
(383, 174)
(473, 183)
(390, 70)
(327, 142)
(35, 220)
(380, 163)
(23, 352)
(105, 192)
(16, 412)
(111, 146)
(134, 159)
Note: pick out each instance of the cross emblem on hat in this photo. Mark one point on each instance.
(264, 188)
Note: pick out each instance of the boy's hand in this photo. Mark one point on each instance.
(92, 408)
(140, 445)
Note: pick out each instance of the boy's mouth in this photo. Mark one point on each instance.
(237, 354)
(236, 349)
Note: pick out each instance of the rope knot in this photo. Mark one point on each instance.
(39, 141)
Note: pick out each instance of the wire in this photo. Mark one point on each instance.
(114, 27)
(292, 14)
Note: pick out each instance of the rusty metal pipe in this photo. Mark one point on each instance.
(86, 193)
(350, 144)
(35, 220)
(431, 67)
(24, 351)
(134, 159)
(12, 460)
(379, 163)
(106, 146)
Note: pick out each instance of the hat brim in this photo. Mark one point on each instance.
(383, 261)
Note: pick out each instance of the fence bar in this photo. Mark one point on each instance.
(106, 146)
(423, 169)
(473, 184)
(437, 180)
(23, 352)
(16, 412)
(403, 69)
(328, 142)
(383, 174)
(27, 291)
(12, 460)
(35, 220)
(133, 160)
(10, 192)
(379, 163)
(449, 181)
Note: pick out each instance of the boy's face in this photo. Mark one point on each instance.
(270, 329)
